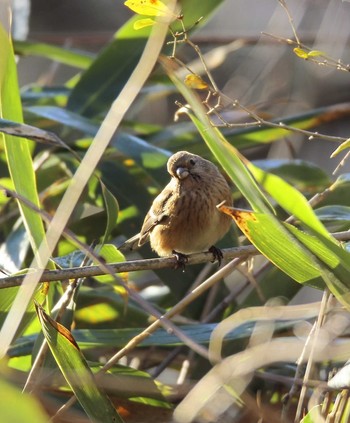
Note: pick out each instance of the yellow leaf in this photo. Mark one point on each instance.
(142, 23)
(241, 217)
(195, 82)
(314, 53)
(148, 7)
(344, 145)
(300, 53)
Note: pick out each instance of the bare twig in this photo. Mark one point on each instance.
(314, 334)
(290, 18)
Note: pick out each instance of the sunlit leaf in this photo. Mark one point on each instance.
(149, 7)
(315, 53)
(278, 246)
(314, 415)
(59, 54)
(343, 146)
(195, 82)
(289, 198)
(300, 52)
(143, 23)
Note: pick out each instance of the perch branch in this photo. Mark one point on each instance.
(128, 266)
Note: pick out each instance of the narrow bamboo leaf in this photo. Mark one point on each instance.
(230, 159)
(65, 117)
(288, 198)
(18, 151)
(117, 338)
(76, 371)
(343, 146)
(301, 174)
(314, 415)
(112, 209)
(334, 213)
(279, 246)
(302, 256)
(111, 254)
(336, 273)
(30, 132)
(59, 54)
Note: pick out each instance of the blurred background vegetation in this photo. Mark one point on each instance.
(72, 60)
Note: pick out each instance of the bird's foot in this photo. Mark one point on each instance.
(181, 260)
(217, 254)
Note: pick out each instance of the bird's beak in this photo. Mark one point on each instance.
(182, 172)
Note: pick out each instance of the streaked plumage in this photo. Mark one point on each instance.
(184, 217)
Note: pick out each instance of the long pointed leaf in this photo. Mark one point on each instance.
(76, 371)
(18, 151)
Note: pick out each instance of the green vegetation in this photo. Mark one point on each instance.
(79, 169)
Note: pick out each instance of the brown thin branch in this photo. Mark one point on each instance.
(128, 266)
(143, 264)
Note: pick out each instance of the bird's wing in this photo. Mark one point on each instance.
(157, 214)
(130, 244)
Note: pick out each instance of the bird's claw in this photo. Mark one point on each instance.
(181, 260)
(217, 254)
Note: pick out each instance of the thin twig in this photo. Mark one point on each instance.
(313, 337)
(290, 18)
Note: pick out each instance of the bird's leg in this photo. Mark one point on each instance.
(217, 254)
(181, 260)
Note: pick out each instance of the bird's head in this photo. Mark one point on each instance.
(183, 166)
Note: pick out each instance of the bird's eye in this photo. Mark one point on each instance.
(192, 162)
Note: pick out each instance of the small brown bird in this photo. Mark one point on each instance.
(183, 218)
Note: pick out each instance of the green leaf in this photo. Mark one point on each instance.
(30, 132)
(101, 83)
(65, 117)
(18, 152)
(301, 174)
(300, 52)
(335, 262)
(76, 371)
(62, 55)
(117, 338)
(277, 244)
(343, 146)
(289, 198)
(333, 213)
(314, 415)
(316, 53)
(17, 407)
(110, 254)
(112, 209)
